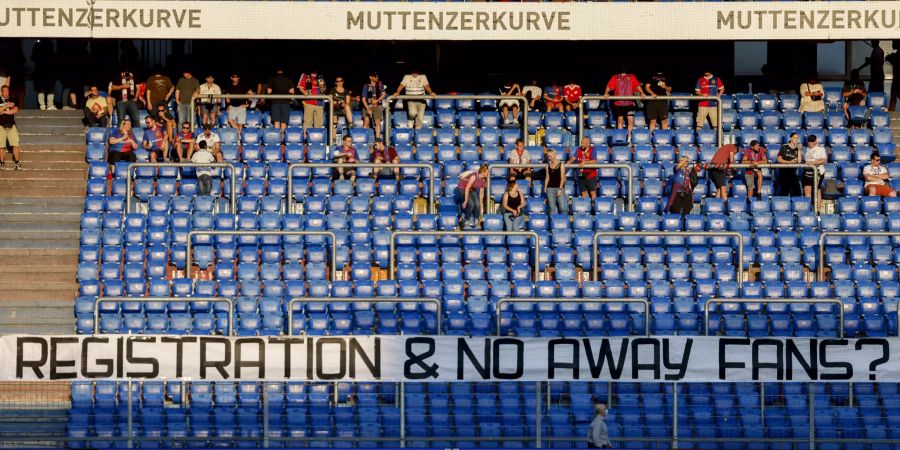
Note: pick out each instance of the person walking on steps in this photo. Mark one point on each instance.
(598, 435)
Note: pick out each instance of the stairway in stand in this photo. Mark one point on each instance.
(40, 210)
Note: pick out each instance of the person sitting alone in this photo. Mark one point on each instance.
(877, 178)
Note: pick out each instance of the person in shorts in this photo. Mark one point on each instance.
(382, 154)
(213, 143)
(510, 89)
(9, 134)
(280, 109)
(209, 106)
(371, 96)
(718, 167)
(624, 84)
(520, 155)
(588, 178)
(877, 178)
(237, 108)
(658, 110)
(710, 86)
(753, 176)
(204, 174)
(815, 155)
(571, 96)
(121, 145)
(346, 155)
(553, 98)
(184, 141)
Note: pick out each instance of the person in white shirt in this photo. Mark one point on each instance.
(816, 156)
(212, 141)
(519, 155)
(534, 94)
(877, 178)
(812, 96)
(204, 174)
(415, 84)
(209, 107)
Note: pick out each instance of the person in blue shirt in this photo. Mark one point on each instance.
(155, 141)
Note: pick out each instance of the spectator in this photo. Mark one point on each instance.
(534, 94)
(790, 153)
(313, 114)
(155, 140)
(213, 143)
(95, 113)
(340, 98)
(571, 96)
(166, 121)
(553, 98)
(875, 61)
(185, 93)
(658, 110)
(894, 60)
(753, 176)
(184, 142)
(280, 109)
(877, 178)
(816, 156)
(555, 184)
(159, 92)
(125, 96)
(346, 155)
(598, 436)
(204, 174)
(121, 145)
(46, 67)
(513, 203)
(812, 95)
(373, 94)
(209, 106)
(9, 134)
(469, 195)
(718, 168)
(708, 85)
(681, 185)
(237, 107)
(624, 84)
(520, 156)
(385, 155)
(854, 93)
(588, 180)
(415, 84)
(510, 89)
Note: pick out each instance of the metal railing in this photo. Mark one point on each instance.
(815, 186)
(436, 233)
(744, 301)
(134, 166)
(192, 233)
(506, 300)
(587, 98)
(100, 300)
(731, 234)
(326, 120)
(293, 301)
(428, 167)
(821, 255)
(629, 174)
(388, 100)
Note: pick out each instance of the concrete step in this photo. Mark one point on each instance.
(40, 330)
(32, 122)
(38, 128)
(15, 315)
(23, 185)
(50, 156)
(18, 249)
(31, 208)
(62, 295)
(70, 148)
(51, 266)
(44, 191)
(32, 173)
(42, 235)
(42, 201)
(69, 139)
(18, 285)
(54, 114)
(29, 164)
(41, 275)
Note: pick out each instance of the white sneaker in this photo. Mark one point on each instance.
(51, 108)
(43, 108)
(68, 108)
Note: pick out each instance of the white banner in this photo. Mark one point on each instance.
(446, 358)
(450, 21)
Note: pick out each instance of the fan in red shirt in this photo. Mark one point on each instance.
(588, 180)
(624, 84)
(571, 96)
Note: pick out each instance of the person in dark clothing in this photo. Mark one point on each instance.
(681, 188)
(790, 153)
(894, 59)
(44, 58)
(280, 109)
(875, 61)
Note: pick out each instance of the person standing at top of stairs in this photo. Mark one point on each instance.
(9, 135)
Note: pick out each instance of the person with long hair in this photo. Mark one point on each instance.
(469, 195)
(513, 205)
(555, 184)
(681, 190)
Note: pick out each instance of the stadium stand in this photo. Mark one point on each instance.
(142, 253)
